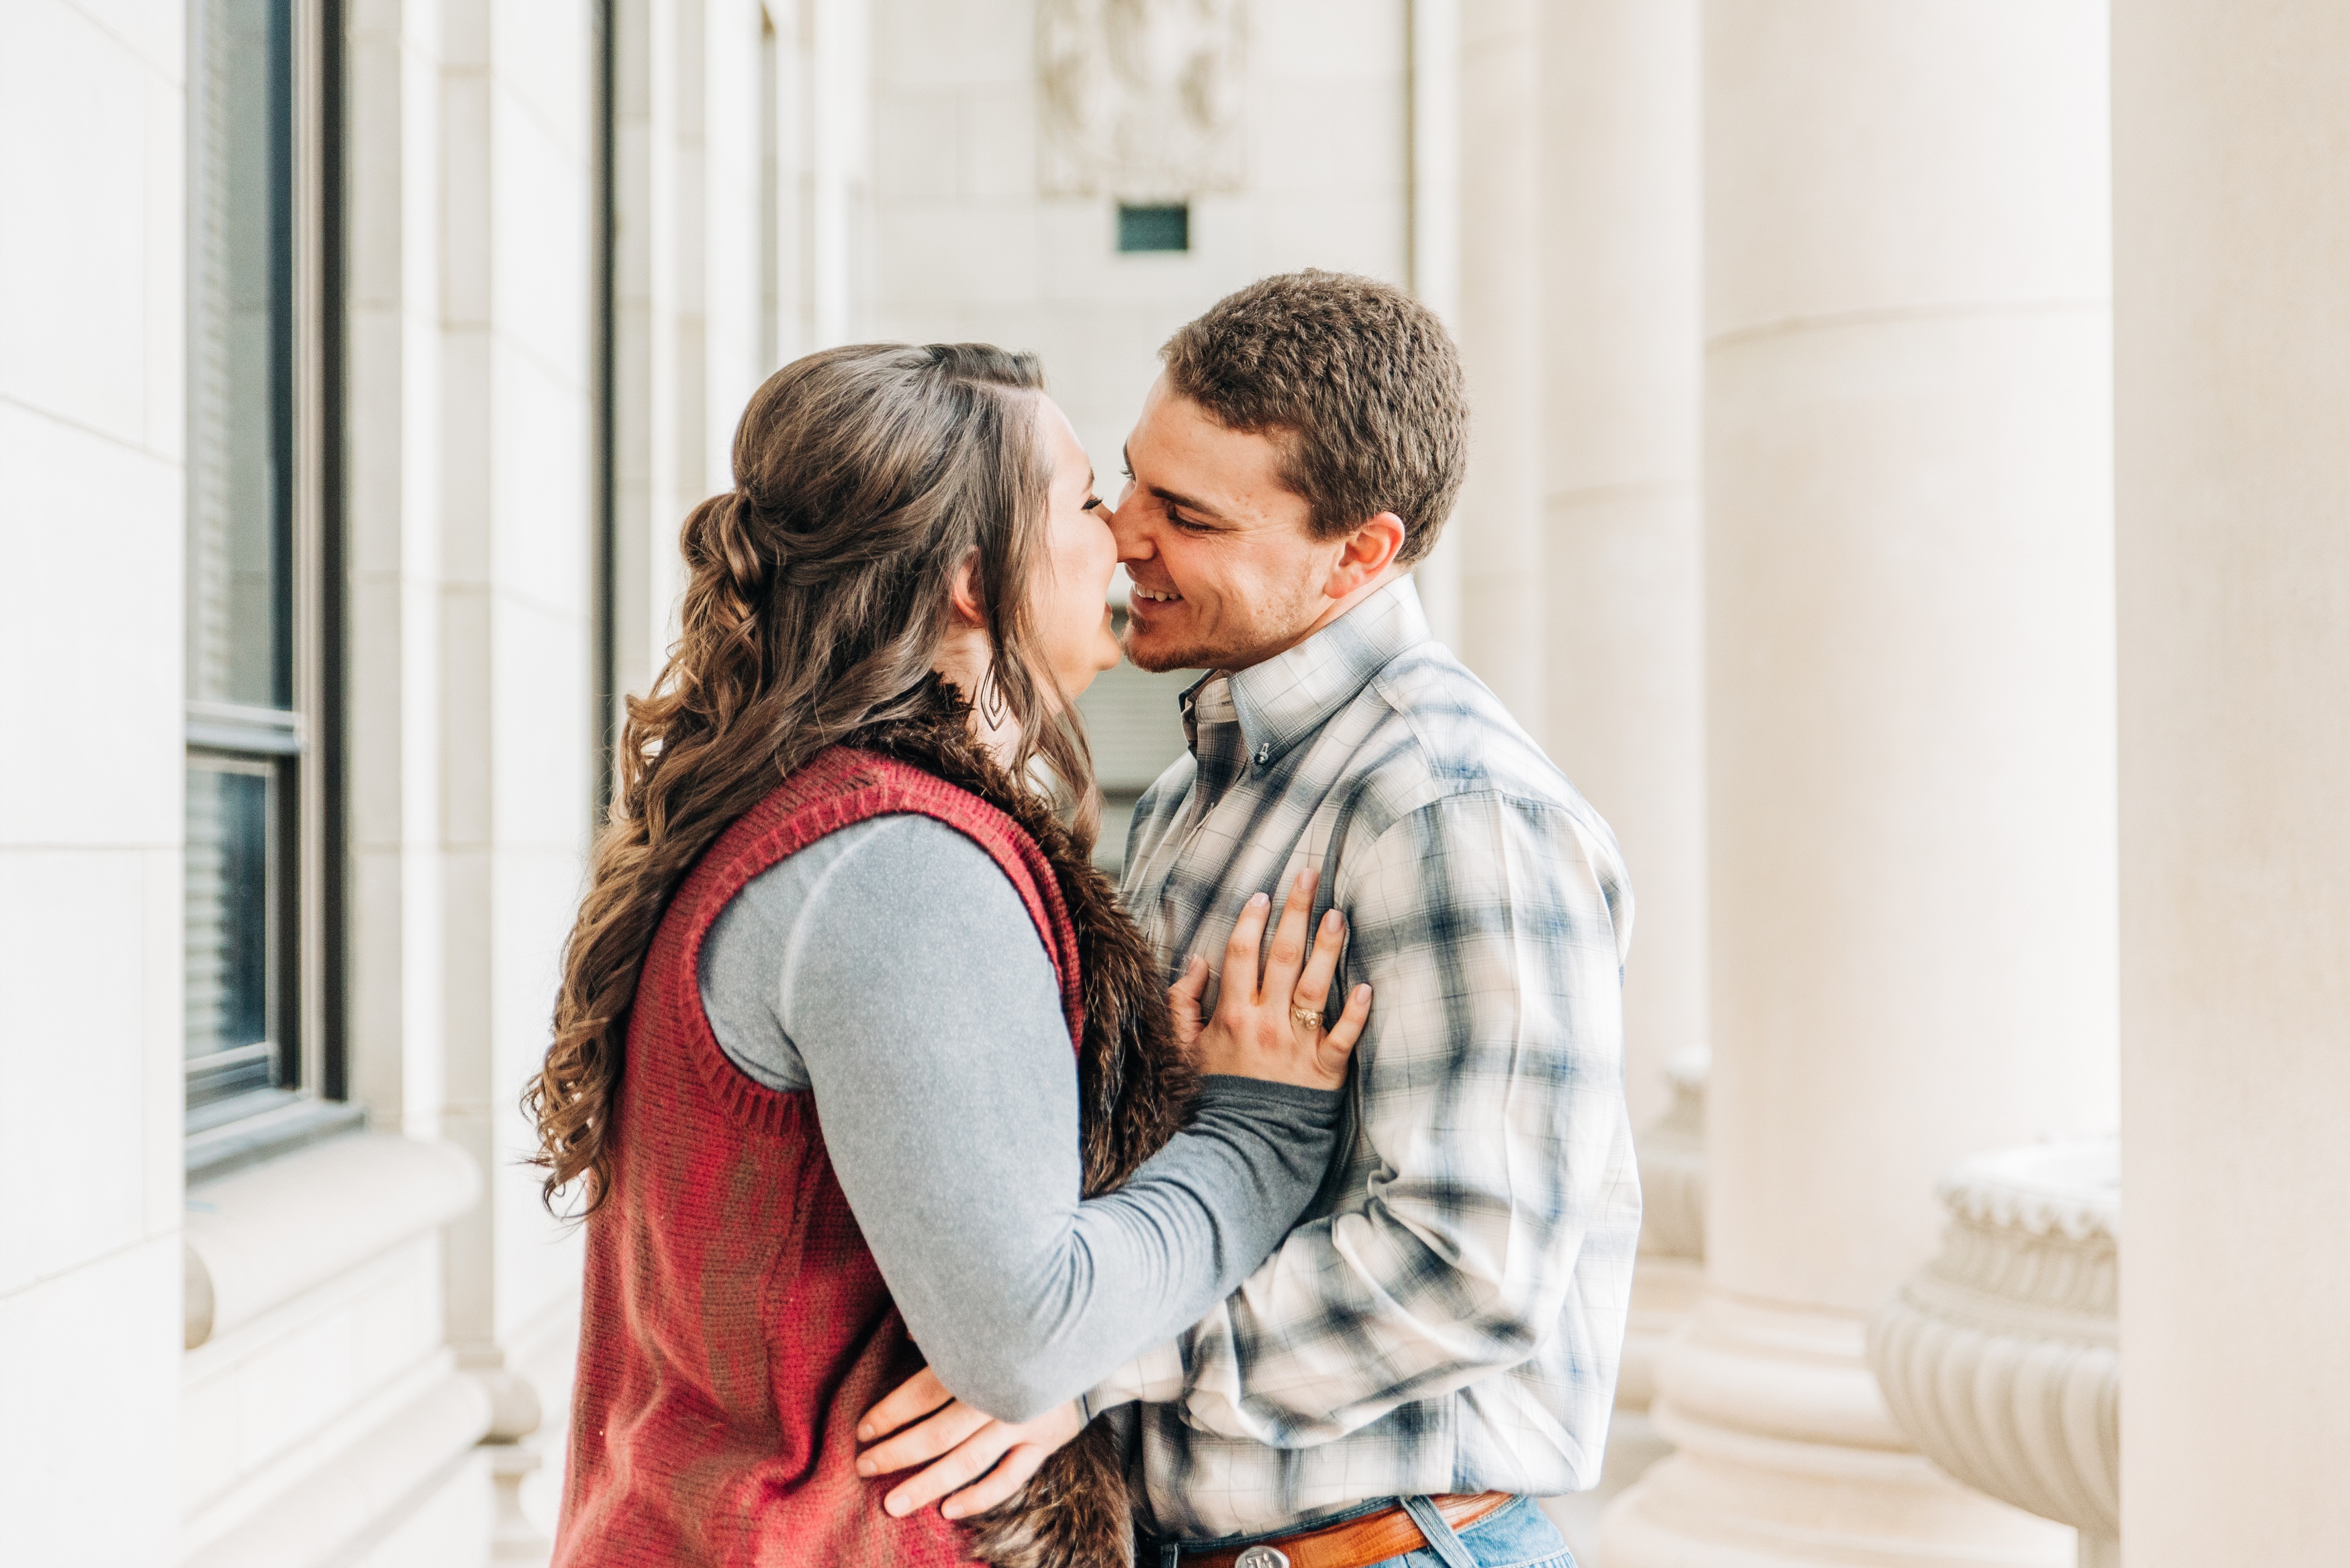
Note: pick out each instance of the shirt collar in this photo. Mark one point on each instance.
(1290, 696)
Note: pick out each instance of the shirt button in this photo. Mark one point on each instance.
(1263, 754)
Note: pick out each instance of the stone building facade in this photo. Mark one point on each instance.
(1909, 497)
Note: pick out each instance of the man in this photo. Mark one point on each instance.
(1438, 1340)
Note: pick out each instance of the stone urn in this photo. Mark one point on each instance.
(1998, 1360)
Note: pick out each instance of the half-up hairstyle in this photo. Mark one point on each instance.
(816, 605)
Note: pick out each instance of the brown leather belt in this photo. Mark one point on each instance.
(1357, 1543)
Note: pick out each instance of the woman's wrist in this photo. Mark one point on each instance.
(1231, 1089)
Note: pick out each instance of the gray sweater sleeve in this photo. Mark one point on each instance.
(891, 969)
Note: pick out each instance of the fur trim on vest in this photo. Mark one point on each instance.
(1135, 1090)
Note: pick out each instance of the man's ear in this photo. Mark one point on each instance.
(962, 592)
(1369, 550)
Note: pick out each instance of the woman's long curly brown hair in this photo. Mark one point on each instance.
(816, 604)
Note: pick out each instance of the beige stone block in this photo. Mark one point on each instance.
(537, 550)
(539, 242)
(963, 251)
(209, 1462)
(164, 1010)
(468, 175)
(464, 719)
(538, 772)
(376, 979)
(448, 1527)
(72, 1140)
(542, 59)
(380, 140)
(376, 393)
(164, 313)
(96, 1353)
(995, 141)
(916, 132)
(1296, 145)
(1359, 41)
(377, 668)
(154, 31)
(1360, 232)
(93, 590)
(75, 271)
(953, 43)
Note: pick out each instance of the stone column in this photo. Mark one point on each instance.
(1909, 740)
(1500, 519)
(1432, 46)
(2232, 355)
(1622, 649)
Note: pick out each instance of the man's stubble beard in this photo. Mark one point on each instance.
(1184, 658)
(1199, 653)
(1227, 654)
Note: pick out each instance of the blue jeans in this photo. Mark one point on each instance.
(1515, 1535)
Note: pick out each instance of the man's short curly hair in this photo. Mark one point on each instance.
(1357, 382)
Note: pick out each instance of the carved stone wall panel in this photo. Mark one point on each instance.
(1140, 100)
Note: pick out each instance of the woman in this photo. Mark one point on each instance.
(813, 1069)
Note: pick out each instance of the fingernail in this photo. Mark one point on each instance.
(1259, 900)
(865, 1434)
(1361, 992)
(952, 1511)
(865, 1467)
(897, 1507)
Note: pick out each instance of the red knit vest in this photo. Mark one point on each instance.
(734, 1326)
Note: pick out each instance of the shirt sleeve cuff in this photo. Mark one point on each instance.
(1156, 1376)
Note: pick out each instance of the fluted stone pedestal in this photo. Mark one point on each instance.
(1999, 1360)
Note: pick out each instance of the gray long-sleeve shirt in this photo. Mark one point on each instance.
(891, 969)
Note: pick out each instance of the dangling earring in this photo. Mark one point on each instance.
(994, 707)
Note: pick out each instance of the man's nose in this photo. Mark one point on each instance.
(1126, 526)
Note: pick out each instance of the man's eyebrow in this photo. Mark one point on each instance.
(1173, 498)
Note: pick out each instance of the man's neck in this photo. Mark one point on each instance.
(1331, 611)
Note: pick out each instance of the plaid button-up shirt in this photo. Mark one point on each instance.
(1449, 1313)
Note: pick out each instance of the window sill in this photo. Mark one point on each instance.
(259, 1236)
(215, 1152)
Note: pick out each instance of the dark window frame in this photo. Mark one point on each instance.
(297, 738)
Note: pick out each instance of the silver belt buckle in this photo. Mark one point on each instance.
(1261, 1557)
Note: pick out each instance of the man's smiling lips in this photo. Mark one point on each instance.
(1156, 595)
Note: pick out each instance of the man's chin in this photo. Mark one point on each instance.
(1160, 655)
(1159, 661)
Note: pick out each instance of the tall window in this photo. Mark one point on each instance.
(256, 560)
